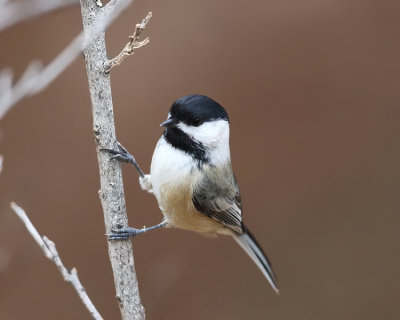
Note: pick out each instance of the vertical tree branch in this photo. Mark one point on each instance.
(111, 186)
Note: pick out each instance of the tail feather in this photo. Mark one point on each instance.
(253, 249)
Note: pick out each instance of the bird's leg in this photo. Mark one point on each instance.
(123, 155)
(128, 232)
(145, 182)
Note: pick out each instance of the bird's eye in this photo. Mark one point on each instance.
(196, 122)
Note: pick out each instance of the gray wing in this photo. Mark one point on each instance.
(218, 197)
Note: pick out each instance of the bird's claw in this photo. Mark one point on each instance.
(123, 233)
(121, 154)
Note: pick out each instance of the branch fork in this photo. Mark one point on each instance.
(129, 49)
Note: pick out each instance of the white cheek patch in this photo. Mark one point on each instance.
(214, 135)
(210, 134)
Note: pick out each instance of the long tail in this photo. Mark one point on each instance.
(253, 249)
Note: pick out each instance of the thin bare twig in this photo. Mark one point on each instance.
(50, 251)
(37, 78)
(130, 47)
(13, 12)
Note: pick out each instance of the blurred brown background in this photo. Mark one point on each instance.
(312, 89)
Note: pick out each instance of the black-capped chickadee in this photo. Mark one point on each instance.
(192, 178)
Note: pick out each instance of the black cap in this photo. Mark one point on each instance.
(196, 109)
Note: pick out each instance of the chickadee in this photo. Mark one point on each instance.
(192, 178)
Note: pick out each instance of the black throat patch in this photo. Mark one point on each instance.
(180, 140)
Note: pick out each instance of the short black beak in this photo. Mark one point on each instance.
(171, 122)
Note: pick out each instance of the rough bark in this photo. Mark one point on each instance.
(111, 185)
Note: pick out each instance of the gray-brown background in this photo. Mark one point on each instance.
(312, 89)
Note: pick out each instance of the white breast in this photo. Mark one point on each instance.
(168, 165)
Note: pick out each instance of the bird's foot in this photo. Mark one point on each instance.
(124, 233)
(128, 232)
(124, 156)
(121, 154)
